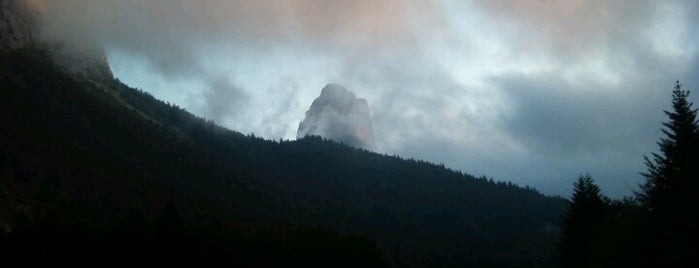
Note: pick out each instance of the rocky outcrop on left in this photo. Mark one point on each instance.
(20, 27)
(17, 25)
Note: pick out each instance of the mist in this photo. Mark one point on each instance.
(521, 91)
(337, 114)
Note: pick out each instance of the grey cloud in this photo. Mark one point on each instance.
(278, 121)
(573, 122)
(413, 97)
(420, 111)
(177, 37)
(571, 27)
(223, 99)
(555, 117)
(566, 121)
(538, 126)
(171, 33)
(591, 127)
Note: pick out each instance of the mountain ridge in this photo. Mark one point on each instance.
(83, 144)
(113, 158)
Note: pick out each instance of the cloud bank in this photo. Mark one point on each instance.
(528, 91)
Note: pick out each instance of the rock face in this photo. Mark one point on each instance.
(86, 61)
(20, 27)
(337, 114)
(17, 25)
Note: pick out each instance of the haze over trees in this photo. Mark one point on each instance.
(83, 155)
(94, 172)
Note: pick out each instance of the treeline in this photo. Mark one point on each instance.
(95, 150)
(657, 227)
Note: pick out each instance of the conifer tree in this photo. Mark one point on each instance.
(669, 192)
(674, 168)
(582, 223)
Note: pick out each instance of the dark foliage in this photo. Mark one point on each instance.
(137, 240)
(669, 194)
(581, 223)
(91, 151)
(659, 228)
(675, 167)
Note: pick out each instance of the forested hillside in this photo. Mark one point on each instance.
(92, 153)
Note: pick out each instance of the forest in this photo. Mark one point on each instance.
(95, 172)
(84, 155)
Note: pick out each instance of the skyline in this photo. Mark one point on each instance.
(527, 92)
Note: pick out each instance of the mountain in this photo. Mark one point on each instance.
(17, 25)
(83, 150)
(20, 25)
(338, 115)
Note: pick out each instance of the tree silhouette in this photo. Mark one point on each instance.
(582, 223)
(672, 169)
(669, 192)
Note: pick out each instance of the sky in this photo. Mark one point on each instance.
(531, 91)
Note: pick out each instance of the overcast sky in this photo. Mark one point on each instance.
(530, 91)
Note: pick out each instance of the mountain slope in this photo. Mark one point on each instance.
(96, 147)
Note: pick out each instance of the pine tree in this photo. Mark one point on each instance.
(674, 168)
(669, 192)
(582, 223)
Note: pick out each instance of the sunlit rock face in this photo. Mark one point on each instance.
(338, 115)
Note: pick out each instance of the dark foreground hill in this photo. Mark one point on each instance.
(93, 154)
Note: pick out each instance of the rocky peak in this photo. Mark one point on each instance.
(337, 114)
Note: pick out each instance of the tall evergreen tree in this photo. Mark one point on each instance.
(582, 223)
(674, 167)
(669, 192)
